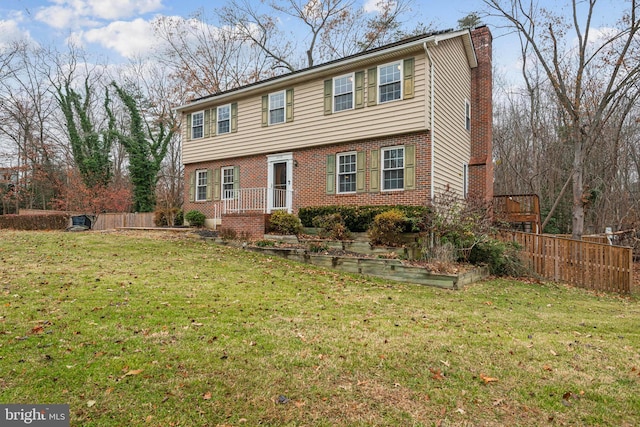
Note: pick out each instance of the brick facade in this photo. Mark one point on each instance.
(309, 175)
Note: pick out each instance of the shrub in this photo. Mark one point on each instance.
(265, 243)
(228, 234)
(35, 222)
(332, 226)
(360, 218)
(454, 226)
(195, 218)
(168, 217)
(179, 218)
(316, 247)
(282, 222)
(501, 258)
(386, 228)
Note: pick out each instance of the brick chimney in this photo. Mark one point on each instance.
(481, 162)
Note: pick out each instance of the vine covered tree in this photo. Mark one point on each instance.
(146, 145)
(91, 147)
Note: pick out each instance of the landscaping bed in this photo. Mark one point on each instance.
(358, 257)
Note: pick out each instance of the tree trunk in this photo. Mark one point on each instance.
(577, 216)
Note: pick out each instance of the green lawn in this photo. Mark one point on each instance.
(164, 330)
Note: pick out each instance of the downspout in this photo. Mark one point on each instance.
(432, 114)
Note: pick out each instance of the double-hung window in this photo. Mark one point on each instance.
(227, 183)
(343, 93)
(197, 125)
(393, 168)
(390, 82)
(277, 107)
(347, 173)
(201, 185)
(224, 119)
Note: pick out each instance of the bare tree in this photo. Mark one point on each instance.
(335, 28)
(591, 77)
(207, 59)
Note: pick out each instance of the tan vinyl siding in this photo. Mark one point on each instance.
(452, 146)
(310, 126)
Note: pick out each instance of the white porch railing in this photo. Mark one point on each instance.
(253, 200)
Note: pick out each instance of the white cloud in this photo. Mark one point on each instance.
(74, 14)
(128, 38)
(373, 6)
(11, 32)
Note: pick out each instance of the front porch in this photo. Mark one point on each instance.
(247, 210)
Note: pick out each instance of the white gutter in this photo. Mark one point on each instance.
(432, 97)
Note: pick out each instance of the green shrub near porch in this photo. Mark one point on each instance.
(359, 218)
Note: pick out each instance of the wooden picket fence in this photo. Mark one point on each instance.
(110, 221)
(584, 264)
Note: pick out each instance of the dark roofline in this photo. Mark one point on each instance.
(324, 64)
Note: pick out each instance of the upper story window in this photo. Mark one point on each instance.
(201, 185)
(347, 173)
(393, 168)
(277, 107)
(343, 93)
(390, 82)
(224, 119)
(197, 125)
(467, 114)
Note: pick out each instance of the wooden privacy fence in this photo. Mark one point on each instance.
(110, 221)
(584, 264)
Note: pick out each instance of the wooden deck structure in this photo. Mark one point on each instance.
(518, 209)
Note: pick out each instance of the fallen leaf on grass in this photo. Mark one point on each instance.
(132, 372)
(37, 329)
(547, 368)
(207, 396)
(436, 374)
(487, 379)
(91, 403)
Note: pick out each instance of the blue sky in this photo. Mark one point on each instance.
(121, 29)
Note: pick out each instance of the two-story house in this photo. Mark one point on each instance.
(389, 126)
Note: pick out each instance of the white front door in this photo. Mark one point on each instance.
(280, 182)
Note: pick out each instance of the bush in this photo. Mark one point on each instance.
(317, 247)
(332, 226)
(265, 243)
(282, 222)
(195, 218)
(35, 222)
(386, 228)
(228, 234)
(168, 217)
(501, 258)
(360, 218)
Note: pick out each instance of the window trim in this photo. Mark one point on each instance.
(333, 93)
(354, 173)
(198, 186)
(218, 121)
(400, 65)
(284, 107)
(383, 169)
(193, 115)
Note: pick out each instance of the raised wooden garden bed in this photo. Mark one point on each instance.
(391, 269)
